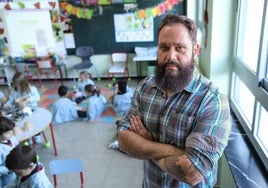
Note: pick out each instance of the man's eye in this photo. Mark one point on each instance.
(181, 48)
(163, 47)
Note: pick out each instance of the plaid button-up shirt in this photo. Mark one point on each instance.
(196, 119)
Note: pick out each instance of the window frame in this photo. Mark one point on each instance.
(255, 81)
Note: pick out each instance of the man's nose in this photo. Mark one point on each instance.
(171, 56)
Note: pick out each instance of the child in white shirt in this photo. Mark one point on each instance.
(7, 143)
(79, 94)
(30, 173)
(95, 103)
(3, 99)
(122, 98)
(63, 110)
(21, 88)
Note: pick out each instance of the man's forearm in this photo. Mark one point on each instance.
(180, 168)
(169, 158)
(137, 146)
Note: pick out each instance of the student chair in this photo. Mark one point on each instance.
(66, 166)
(119, 62)
(84, 52)
(23, 67)
(47, 67)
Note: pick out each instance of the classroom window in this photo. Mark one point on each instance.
(249, 96)
(244, 100)
(249, 32)
(262, 129)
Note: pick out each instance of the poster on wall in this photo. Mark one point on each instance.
(128, 29)
(67, 29)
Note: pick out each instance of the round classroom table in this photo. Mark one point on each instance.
(40, 119)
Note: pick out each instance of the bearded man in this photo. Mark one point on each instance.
(178, 122)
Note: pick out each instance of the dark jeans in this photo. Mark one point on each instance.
(82, 114)
(78, 100)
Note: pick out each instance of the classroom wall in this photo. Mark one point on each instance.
(31, 23)
(98, 32)
(101, 63)
(103, 23)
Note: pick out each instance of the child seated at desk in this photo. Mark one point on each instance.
(95, 103)
(7, 143)
(23, 161)
(79, 94)
(3, 99)
(63, 110)
(22, 89)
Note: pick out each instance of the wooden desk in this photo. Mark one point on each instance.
(8, 74)
(7, 68)
(40, 119)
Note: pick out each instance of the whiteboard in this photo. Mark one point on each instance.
(29, 27)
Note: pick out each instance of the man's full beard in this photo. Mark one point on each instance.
(167, 80)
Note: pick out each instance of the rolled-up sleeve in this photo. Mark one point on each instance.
(205, 145)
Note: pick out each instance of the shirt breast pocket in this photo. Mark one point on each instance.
(178, 128)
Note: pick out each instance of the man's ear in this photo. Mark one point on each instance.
(196, 49)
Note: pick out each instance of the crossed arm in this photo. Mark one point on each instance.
(138, 142)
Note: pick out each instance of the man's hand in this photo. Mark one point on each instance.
(137, 126)
(181, 168)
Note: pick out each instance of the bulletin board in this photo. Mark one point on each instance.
(99, 32)
(30, 29)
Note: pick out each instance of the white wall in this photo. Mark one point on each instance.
(101, 64)
(216, 58)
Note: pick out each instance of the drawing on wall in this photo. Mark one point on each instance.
(29, 50)
(66, 21)
(128, 29)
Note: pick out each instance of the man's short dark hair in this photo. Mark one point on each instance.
(171, 19)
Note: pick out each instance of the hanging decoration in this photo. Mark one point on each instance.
(36, 5)
(77, 11)
(87, 13)
(52, 4)
(81, 12)
(21, 5)
(7, 6)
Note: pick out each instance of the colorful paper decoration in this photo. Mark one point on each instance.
(87, 13)
(37, 5)
(2, 30)
(52, 4)
(104, 2)
(21, 5)
(7, 6)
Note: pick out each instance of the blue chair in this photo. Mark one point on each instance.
(84, 52)
(65, 166)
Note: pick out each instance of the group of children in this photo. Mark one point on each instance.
(18, 163)
(67, 108)
(19, 167)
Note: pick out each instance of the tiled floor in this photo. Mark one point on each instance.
(103, 167)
